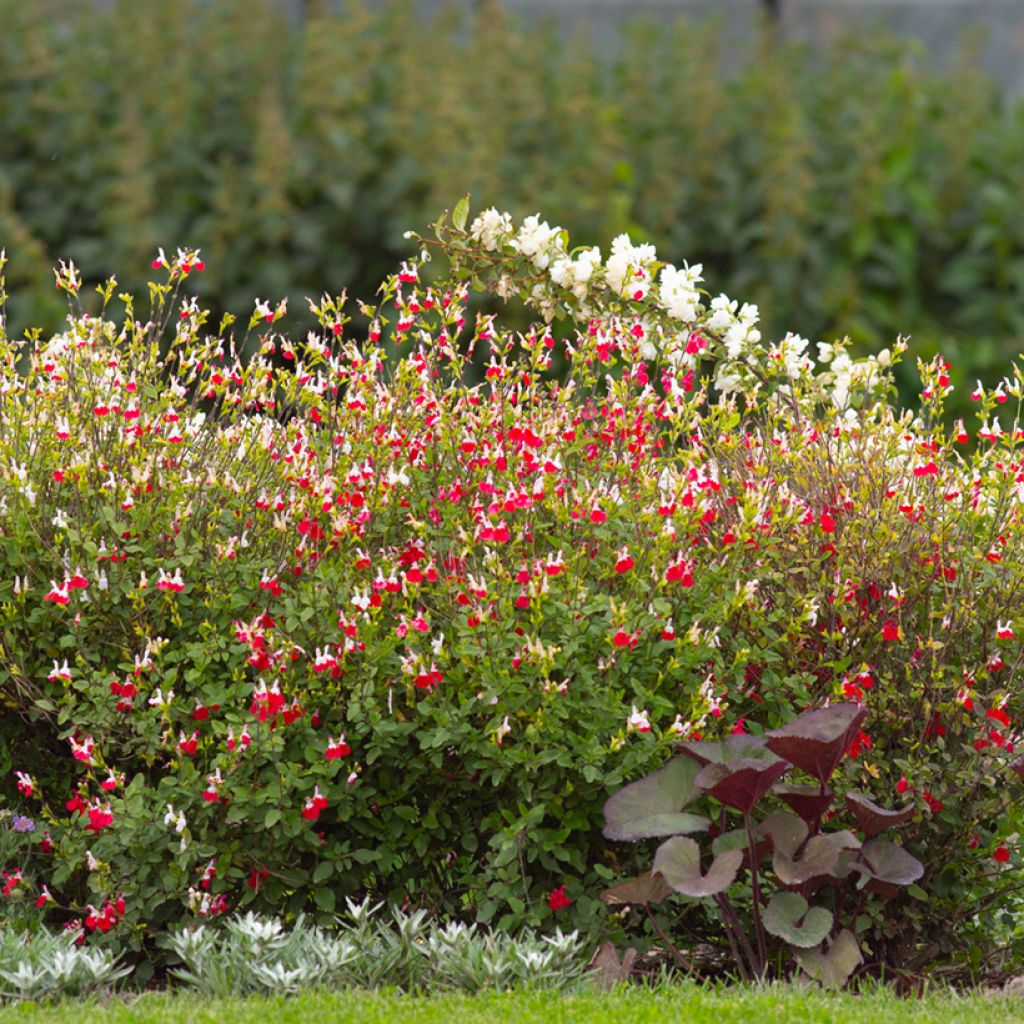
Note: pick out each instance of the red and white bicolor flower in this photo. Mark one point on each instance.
(314, 805)
(26, 787)
(638, 721)
(213, 783)
(172, 583)
(242, 741)
(81, 750)
(324, 661)
(100, 817)
(1004, 630)
(337, 748)
(58, 594)
(60, 671)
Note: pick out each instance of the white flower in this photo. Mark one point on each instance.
(679, 295)
(576, 274)
(624, 271)
(502, 731)
(538, 241)
(491, 229)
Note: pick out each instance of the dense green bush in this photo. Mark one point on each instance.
(326, 621)
(850, 191)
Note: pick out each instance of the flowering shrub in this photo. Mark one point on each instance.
(388, 610)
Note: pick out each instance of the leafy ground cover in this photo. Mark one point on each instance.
(700, 1006)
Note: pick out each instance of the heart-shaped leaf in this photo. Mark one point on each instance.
(740, 783)
(816, 740)
(678, 861)
(610, 971)
(736, 839)
(819, 857)
(720, 751)
(644, 889)
(873, 819)
(651, 806)
(786, 831)
(789, 917)
(808, 801)
(888, 863)
(834, 968)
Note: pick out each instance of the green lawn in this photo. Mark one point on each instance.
(684, 1004)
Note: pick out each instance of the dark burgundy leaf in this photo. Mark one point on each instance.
(740, 783)
(873, 819)
(816, 741)
(808, 801)
(609, 969)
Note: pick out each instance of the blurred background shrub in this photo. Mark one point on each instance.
(851, 189)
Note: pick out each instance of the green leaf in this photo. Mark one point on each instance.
(818, 857)
(461, 213)
(677, 860)
(273, 816)
(789, 917)
(832, 969)
(883, 861)
(324, 899)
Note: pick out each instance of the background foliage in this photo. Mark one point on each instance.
(856, 191)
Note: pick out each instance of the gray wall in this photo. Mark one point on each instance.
(941, 25)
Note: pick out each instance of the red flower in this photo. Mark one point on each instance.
(1002, 854)
(891, 630)
(558, 899)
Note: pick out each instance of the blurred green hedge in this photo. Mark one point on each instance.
(850, 191)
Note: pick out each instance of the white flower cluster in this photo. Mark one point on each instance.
(631, 273)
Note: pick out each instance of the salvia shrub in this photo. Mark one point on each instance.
(389, 610)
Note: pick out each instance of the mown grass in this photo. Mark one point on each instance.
(678, 1003)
